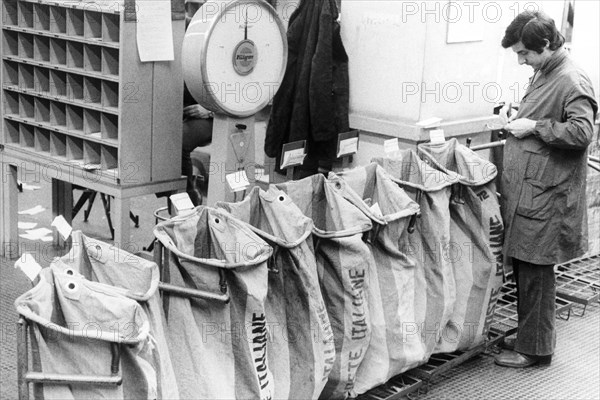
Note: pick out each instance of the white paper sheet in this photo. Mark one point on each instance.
(29, 266)
(26, 225)
(154, 30)
(32, 211)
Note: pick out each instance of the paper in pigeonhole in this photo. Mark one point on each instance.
(28, 265)
(62, 226)
(32, 211)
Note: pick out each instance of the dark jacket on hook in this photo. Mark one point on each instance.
(312, 102)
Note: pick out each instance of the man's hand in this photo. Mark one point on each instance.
(521, 127)
(196, 111)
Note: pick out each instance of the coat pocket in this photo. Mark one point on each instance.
(536, 200)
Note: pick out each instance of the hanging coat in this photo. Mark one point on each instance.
(435, 287)
(218, 347)
(476, 235)
(391, 289)
(74, 323)
(100, 262)
(312, 101)
(344, 261)
(300, 349)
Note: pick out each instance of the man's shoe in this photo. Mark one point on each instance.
(509, 343)
(512, 359)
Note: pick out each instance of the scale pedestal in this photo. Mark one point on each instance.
(232, 151)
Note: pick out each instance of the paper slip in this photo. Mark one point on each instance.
(347, 147)
(237, 181)
(154, 31)
(62, 226)
(29, 236)
(436, 136)
(32, 211)
(26, 225)
(27, 186)
(390, 146)
(92, 167)
(29, 266)
(293, 157)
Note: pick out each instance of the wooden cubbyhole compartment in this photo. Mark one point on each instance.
(58, 145)
(92, 58)
(58, 83)
(91, 123)
(41, 48)
(10, 43)
(42, 140)
(11, 103)
(41, 17)
(25, 14)
(109, 157)
(74, 55)
(110, 61)
(91, 153)
(74, 149)
(10, 73)
(92, 26)
(27, 135)
(11, 132)
(26, 76)
(58, 52)
(58, 19)
(75, 87)
(110, 94)
(92, 90)
(110, 28)
(42, 110)
(109, 126)
(26, 106)
(10, 12)
(75, 119)
(25, 45)
(58, 114)
(74, 22)
(41, 80)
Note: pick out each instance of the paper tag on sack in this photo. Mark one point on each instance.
(436, 136)
(237, 181)
(181, 203)
(27, 264)
(62, 226)
(293, 154)
(390, 146)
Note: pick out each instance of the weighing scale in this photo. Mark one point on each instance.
(234, 58)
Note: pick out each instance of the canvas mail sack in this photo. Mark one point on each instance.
(476, 236)
(138, 278)
(394, 346)
(300, 348)
(344, 262)
(217, 326)
(429, 245)
(74, 323)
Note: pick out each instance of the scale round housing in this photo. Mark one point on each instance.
(234, 56)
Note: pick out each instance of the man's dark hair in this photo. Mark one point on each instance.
(532, 29)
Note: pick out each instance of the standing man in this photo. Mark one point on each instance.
(544, 180)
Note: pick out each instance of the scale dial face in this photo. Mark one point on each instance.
(235, 55)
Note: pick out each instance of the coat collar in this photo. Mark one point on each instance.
(550, 65)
